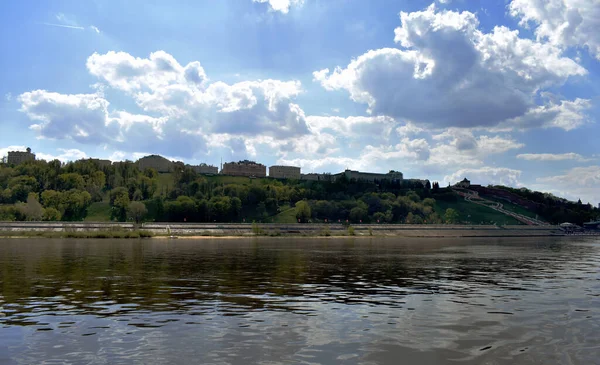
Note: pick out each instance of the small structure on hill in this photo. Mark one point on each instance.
(204, 169)
(284, 172)
(156, 162)
(465, 183)
(18, 157)
(244, 168)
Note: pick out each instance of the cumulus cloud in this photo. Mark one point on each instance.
(486, 176)
(64, 155)
(552, 157)
(182, 109)
(282, 6)
(159, 84)
(81, 117)
(460, 147)
(5, 150)
(576, 183)
(565, 114)
(565, 23)
(449, 73)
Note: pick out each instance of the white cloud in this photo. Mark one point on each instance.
(81, 117)
(449, 73)
(159, 84)
(566, 115)
(117, 156)
(64, 155)
(85, 118)
(94, 28)
(183, 110)
(352, 126)
(8, 96)
(565, 23)
(409, 129)
(486, 176)
(4, 151)
(282, 6)
(577, 183)
(552, 157)
(459, 147)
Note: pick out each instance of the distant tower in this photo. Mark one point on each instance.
(28, 150)
(221, 165)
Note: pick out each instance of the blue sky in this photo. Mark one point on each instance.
(501, 92)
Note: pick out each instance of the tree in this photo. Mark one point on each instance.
(119, 201)
(358, 214)
(32, 210)
(71, 181)
(303, 212)
(451, 216)
(136, 211)
(51, 214)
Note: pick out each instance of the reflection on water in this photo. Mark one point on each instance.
(301, 301)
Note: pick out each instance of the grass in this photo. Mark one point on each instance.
(512, 207)
(85, 234)
(474, 213)
(287, 215)
(98, 212)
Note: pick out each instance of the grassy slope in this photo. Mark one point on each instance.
(513, 207)
(476, 212)
(287, 215)
(98, 212)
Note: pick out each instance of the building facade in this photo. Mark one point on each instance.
(244, 168)
(371, 176)
(204, 169)
(18, 157)
(317, 177)
(465, 183)
(101, 163)
(284, 172)
(156, 162)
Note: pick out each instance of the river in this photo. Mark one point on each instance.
(300, 301)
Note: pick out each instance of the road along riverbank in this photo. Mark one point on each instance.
(130, 230)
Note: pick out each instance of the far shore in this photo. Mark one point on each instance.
(199, 231)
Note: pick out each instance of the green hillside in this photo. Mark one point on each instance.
(84, 190)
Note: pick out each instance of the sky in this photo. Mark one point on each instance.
(498, 91)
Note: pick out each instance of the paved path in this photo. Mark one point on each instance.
(473, 197)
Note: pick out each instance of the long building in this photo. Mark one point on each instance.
(371, 176)
(18, 157)
(204, 169)
(244, 168)
(155, 162)
(317, 177)
(284, 172)
(102, 163)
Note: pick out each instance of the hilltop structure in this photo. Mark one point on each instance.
(18, 157)
(204, 169)
(155, 162)
(465, 183)
(370, 176)
(102, 163)
(244, 168)
(317, 177)
(284, 172)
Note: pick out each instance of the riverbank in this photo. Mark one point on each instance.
(197, 230)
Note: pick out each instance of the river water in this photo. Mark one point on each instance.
(300, 301)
